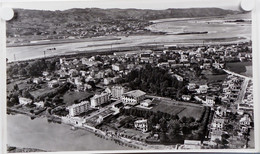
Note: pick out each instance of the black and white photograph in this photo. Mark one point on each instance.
(129, 76)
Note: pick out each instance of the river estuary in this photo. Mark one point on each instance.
(40, 134)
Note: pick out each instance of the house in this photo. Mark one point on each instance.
(184, 58)
(218, 123)
(73, 72)
(45, 73)
(191, 86)
(191, 144)
(98, 100)
(210, 101)
(163, 64)
(77, 109)
(216, 134)
(202, 89)
(133, 97)
(39, 104)
(146, 60)
(37, 80)
(107, 81)
(146, 103)
(117, 91)
(245, 120)
(24, 101)
(141, 125)
(117, 67)
(178, 77)
(186, 97)
(221, 111)
(53, 83)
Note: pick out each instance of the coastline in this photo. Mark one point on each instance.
(98, 133)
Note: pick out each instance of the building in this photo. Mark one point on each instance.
(191, 144)
(210, 101)
(24, 101)
(191, 86)
(39, 104)
(245, 120)
(133, 97)
(117, 67)
(117, 91)
(53, 83)
(77, 109)
(202, 89)
(216, 134)
(141, 125)
(221, 111)
(98, 100)
(178, 77)
(218, 124)
(37, 80)
(146, 103)
(186, 97)
(107, 81)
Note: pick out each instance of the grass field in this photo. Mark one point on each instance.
(214, 78)
(238, 67)
(179, 108)
(69, 97)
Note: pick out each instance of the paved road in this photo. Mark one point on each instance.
(236, 74)
(242, 91)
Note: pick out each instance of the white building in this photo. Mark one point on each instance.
(77, 109)
(117, 91)
(146, 103)
(178, 77)
(116, 67)
(24, 101)
(245, 120)
(202, 89)
(98, 100)
(141, 125)
(210, 101)
(37, 80)
(133, 97)
(39, 104)
(218, 124)
(53, 83)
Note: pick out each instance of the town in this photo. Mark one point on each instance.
(170, 97)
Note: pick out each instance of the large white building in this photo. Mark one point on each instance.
(117, 91)
(133, 97)
(98, 100)
(24, 101)
(141, 125)
(77, 109)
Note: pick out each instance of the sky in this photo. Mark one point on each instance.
(139, 4)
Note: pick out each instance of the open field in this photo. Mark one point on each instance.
(179, 108)
(214, 78)
(70, 97)
(238, 67)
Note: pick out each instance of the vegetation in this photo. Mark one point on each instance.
(171, 128)
(153, 80)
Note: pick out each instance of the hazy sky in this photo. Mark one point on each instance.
(140, 4)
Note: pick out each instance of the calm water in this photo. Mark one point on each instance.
(38, 133)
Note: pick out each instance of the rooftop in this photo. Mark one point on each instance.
(134, 93)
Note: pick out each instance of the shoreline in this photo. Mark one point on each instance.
(98, 133)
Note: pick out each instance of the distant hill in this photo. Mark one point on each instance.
(91, 22)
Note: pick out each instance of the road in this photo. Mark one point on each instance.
(236, 74)
(242, 91)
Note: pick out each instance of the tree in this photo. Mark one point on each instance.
(174, 129)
